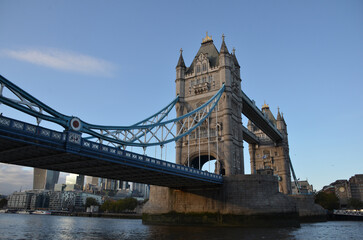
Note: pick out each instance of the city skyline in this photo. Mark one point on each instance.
(304, 58)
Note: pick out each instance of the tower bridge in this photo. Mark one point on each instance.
(209, 104)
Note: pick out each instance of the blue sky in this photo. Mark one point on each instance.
(113, 62)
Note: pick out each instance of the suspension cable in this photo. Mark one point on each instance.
(199, 145)
(188, 142)
(217, 108)
(161, 152)
(208, 147)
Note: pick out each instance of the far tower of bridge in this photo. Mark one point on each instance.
(270, 157)
(220, 138)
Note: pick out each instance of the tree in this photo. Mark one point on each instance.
(327, 200)
(3, 202)
(355, 203)
(90, 201)
(122, 205)
(106, 206)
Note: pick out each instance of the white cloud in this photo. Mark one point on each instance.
(13, 178)
(63, 60)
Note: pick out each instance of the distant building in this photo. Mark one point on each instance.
(90, 188)
(95, 181)
(81, 198)
(29, 200)
(305, 187)
(70, 200)
(356, 186)
(62, 200)
(20, 200)
(342, 190)
(80, 181)
(45, 179)
(140, 190)
(72, 187)
(74, 182)
(39, 200)
(346, 190)
(59, 187)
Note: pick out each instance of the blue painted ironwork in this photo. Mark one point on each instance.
(72, 143)
(150, 132)
(29, 104)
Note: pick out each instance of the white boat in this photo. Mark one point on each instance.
(23, 212)
(3, 210)
(42, 212)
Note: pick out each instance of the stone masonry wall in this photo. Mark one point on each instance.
(240, 194)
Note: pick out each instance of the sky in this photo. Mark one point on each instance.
(113, 63)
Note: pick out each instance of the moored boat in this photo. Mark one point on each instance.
(22, 212)
(42, 212)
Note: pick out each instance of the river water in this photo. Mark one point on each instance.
(17, 226)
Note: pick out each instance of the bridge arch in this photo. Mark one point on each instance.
(219, 165)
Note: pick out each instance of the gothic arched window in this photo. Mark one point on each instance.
(198, 68)
(204, 67)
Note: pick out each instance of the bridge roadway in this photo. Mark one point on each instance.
(34, 146)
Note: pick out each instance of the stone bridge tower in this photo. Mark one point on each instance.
(195, 85)
(269, 156)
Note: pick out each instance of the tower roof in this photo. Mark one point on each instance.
(279, 118)
(223, 46)
(209, 49)
(181, 60)
(266, 110)
(234, 58)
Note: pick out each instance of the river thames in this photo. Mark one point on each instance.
(17, 226)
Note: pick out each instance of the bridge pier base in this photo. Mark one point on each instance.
(243, 200)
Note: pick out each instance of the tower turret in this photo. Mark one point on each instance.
(180, 76)
(280, 122)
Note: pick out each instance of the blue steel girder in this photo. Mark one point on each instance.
(149, 132)
(254, 114)
(26, 103)
(159, 133)
(34, 146)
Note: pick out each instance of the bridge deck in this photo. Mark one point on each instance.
(33, 146)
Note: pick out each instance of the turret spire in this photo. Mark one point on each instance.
(223, 46)
(181, 60)
(207, 38)
(279, 118)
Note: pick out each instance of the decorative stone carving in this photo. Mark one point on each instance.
(201, 88)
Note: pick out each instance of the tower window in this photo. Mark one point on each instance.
(204, 67)
(198, 68)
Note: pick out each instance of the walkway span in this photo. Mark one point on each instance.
(250, 110)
